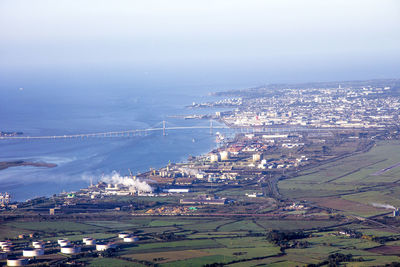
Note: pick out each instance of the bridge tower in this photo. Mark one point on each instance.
(211, 127)
(163, 128)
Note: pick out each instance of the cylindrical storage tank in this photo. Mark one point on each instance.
(224, 155)
(38, 244)
(17, 262)
(86, 238)
(63, 242)
(70, 249)
(30, 252)
(89, 241)
(104, 246)
(131, 239)
(3, 256)
(123, 235)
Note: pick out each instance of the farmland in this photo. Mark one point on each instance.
(352, 184)
(332, 211)
(233, 241)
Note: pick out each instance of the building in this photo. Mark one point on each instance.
(203, 201)
(257, 157)
(176, 190)
(224, 155)
(214, 158)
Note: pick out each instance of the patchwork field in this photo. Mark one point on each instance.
(353, 184)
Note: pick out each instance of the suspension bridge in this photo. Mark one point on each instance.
(163, 129)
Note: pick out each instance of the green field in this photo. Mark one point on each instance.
(354, 179)
(50, 226)
(348, 186)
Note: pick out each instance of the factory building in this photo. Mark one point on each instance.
(224, 155)
(7, 248)
(203, 200)
(257, 157)
(214, 158)
(5, 243)
(176, 190)
(5, 199)
(396, 212)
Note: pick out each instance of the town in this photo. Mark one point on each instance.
(318, 157)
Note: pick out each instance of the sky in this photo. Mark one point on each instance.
(229, 41)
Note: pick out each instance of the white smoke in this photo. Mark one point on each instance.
(134, 185)
(385, 206)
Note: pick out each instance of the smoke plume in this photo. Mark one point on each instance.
(137, 185)
(385, 206)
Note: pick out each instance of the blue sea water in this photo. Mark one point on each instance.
(44, 108)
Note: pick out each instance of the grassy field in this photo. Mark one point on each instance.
(355, 179)
(173, 245)
(53, 227)
(350, 186)
(293, 224)
(107, 262)
(216, 240)
(227, 250)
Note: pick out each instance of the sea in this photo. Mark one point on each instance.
(40, 105)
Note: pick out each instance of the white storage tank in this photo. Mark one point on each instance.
(63, 242)
(104, 246)
(89, 241)
(70, 249)
(124, 234)
(38, 244)
(17, 262)
(129, 239)
(31, 252)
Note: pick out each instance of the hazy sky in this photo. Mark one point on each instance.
(259, 38)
